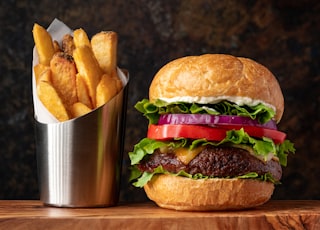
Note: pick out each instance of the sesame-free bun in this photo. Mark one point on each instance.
(181, 193)
(209, 78)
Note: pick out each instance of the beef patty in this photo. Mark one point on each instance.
(214, 162)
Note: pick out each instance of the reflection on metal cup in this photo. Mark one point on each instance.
(79, 161)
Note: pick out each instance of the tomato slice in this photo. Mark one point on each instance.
(165, 132)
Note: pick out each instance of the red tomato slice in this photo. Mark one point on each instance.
(165, 132)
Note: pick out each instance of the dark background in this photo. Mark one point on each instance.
(282, 35)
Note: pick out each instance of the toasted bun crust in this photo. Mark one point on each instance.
(180, 193)
(218, 76)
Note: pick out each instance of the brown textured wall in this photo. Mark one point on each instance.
(282, 35)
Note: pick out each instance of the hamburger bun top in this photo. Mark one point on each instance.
(211, 78)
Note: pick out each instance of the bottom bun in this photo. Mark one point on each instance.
(181, 193)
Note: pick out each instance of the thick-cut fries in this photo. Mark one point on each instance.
(51, 100)
(67, 44)
(64, 77)
(106, 89)
(82, 91)
(89, 68)
(115, 76)
(46, 76)
(44, 44)
(104, 47)
(80, 38)
(56, 46)
(39, 70)
(79, 109)
(77, 75)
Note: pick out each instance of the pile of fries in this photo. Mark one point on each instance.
(78, 75)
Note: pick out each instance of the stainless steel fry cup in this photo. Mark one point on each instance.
(79, 161)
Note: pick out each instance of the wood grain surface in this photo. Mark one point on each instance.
(291, 214)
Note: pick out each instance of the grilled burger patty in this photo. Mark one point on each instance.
(213, 161)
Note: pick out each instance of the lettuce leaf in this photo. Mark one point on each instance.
(283, 149)
(142, 178)
(152, 111)
(261, 147)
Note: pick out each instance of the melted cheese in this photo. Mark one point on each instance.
(186, 155)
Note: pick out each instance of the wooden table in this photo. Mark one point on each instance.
(294, 214)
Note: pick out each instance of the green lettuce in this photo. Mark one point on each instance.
(261, 147)
(152, 111)
(142, 178)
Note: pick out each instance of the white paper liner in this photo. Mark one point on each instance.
(57, 30)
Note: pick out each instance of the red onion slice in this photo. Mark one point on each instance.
(212, 120)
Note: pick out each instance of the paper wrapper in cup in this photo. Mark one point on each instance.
(79, 160)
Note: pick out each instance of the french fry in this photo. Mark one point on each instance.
(88, 67)
(82, 91)
(51, 100)
(45, 76)
(39, 70)
(104, 47)
(106, 89)
(64, 77)
(67, 44)
(56, 46)
(43, 43)
(79, 109)
(117, 79)
(80, 38)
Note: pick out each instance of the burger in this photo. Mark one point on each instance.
(212, 140)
